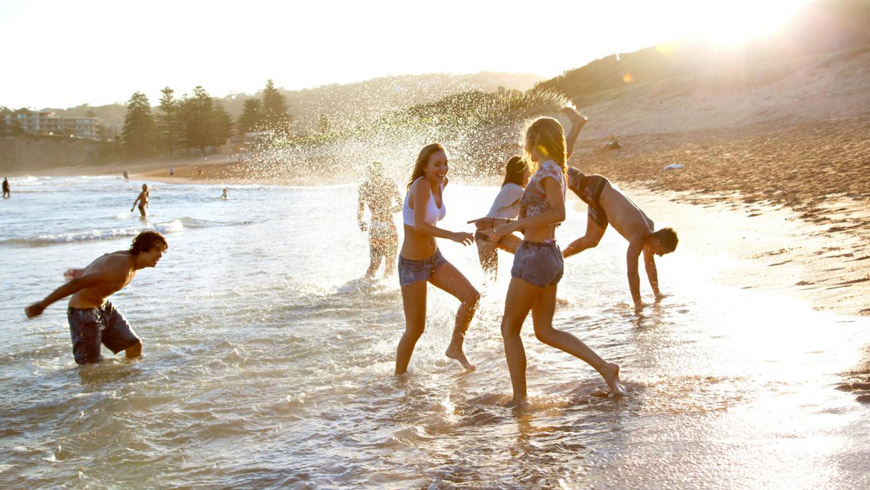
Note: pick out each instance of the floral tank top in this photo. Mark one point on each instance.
(534, 200)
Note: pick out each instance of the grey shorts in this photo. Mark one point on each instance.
(538, 263)
(411, 271)
(91, 327)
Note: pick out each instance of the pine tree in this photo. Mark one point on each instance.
(197, 115)
(275, 116)
(139, 129)
(223, 124)
(251, 117)
(168, 122)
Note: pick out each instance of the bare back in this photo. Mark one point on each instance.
(116, 270)
(379, 194)
(625, 216)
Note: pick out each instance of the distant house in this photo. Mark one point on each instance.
(47, 123)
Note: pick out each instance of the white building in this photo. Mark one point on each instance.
(47, 123)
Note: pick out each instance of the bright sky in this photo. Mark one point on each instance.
(62, 53)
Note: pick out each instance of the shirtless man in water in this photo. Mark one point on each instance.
(92, 318)
(379, 192)
(142, 200)
(607, 204)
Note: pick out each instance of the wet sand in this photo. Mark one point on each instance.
(817, 175)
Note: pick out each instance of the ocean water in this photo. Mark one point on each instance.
(268, 361)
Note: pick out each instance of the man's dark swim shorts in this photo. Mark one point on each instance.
(90, 327)
(589, 191)
(411, 271)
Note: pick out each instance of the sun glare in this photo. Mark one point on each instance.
(733, 23)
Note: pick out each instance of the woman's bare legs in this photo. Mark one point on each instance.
(449, 279)
(414, 302)
(542, 317)
(520, 298)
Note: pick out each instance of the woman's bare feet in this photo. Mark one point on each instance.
(454, 352)
(521, 402)
(610, 372)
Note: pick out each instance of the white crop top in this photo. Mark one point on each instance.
(434, 214)
(507, 202)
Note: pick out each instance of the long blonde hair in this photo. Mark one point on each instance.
(423, 160)
(548, 138)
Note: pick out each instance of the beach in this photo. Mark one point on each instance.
(269, 361)
(816, 176)
(266, 364)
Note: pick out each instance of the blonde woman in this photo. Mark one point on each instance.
(506, 206)
(538, 264)
(420, 261)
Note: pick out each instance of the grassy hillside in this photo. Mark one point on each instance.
(823, 27)
(349, 104)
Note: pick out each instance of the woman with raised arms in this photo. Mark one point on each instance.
(420, 261)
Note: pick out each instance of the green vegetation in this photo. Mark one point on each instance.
(196, 121)
(139, 129)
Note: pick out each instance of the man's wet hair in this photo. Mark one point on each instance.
(147, 241)
(668, 239)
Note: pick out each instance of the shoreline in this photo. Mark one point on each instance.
(796, 199)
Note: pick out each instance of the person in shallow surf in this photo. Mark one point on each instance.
(538, 264)
(93, 320)
(607, 204)
(506, 205)
(379, 192)
(6, 192)
(142, 200)
(420, 261)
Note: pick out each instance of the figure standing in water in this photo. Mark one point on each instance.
(379, 192)
(506, 205)
(607, 204)
(538, 264)
(142, 199)
(93, 320)
(6, 192)
(126, 176)
(225, 194)
(504, 208)
(420, 261)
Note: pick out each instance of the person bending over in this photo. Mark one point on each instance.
(607, 204)
(93, 320)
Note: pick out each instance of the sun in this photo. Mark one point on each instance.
(736, 22)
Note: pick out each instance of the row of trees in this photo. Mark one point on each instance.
(196, 120)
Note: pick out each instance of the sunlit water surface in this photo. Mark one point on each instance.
(268, 361)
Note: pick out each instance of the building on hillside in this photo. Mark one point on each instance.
(47, 123)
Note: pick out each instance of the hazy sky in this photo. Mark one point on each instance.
(65, 53)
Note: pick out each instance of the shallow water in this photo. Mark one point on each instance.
(268, 361)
